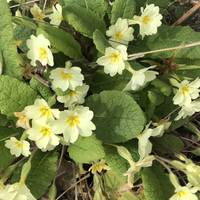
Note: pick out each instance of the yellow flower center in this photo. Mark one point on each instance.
(119, 35)
(115, 57)
(19, 144)
(18, 42)
(73, 120)
(146, 19)
(43, 53)
(46, 131)
(99, 167)
(185, 90)
(182, 193)
(66, 76)
(72, 93)
(46, 111)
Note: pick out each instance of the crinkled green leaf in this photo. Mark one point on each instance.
(83, 20)
(118, 118)
(100, 41)
(101, 81)
(8, 47)
(175, 36)
(43, 90)
(14, 95)
(97, 6)
(188, 71)
(168, 144)
(122, 9)
(42, 173)
(61, 40)
(156, 184)
(86, 150)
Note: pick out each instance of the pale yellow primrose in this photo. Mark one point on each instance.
(23, 120)
(149, 21)
(120, 33)
(187, 91)
(144, 144)
(140, 78)
(37, 12)
(17, 191)
(75, 122)
(73, 97)
(44, 134)
(66, 78)
(18, 147)
(39, 50)
(114, 60)
(182, 192)
(188, 110)
(40, 110)
(56, 17)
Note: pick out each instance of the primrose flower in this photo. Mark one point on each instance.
(18, 147)
(187, 91)
(149, 21)
(23, 120)
(66, 78)
(44, 134)
(99, 167)
(184, 193)
(39, 50)
(73, 97)
(75, 122)
(144, 144)
(120, 33)
(37, 12)
(114, 60)
(140, 78)
(56, 17)
(41, 111)
(17, 191)
(188, 110)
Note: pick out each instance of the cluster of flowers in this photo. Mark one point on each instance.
(47, 123)
(120, 34)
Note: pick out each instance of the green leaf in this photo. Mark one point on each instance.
(122, 9)
(8, 47)
(118, 118)
(156, 184)
(175, 36)
(43, 171)
(163, 87)
(168, 144)
(21, 34)
(100, 41)
(86, 150)
(83, 20)
(15, 95)
(188, 71)
(101, 81)
(97, 6)
(5, 156)
(43, 90)
(118, 167)
(61, 40)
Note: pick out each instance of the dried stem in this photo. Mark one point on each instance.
(187, 14)
(142, 54)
